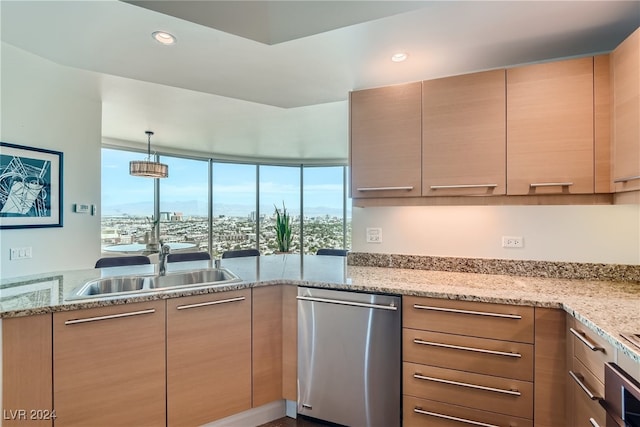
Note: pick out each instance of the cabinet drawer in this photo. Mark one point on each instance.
(585, 380)
(495, 394)
(480, 355)
(421, 412)
(585, 408)
(476, 319)
(592, 350)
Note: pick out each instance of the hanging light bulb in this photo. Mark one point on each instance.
(148, 168)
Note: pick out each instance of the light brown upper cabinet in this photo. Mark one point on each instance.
(386, 141)
(625, 72)
(464, 135)
(550, 118)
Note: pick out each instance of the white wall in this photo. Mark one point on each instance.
(49, 106)
(598, 234)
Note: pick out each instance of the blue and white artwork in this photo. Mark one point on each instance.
(30, 187)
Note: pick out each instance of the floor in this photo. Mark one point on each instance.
(291, 422)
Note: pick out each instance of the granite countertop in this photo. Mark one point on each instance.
(607, 307)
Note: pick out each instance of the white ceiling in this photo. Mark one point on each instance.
(270, 79)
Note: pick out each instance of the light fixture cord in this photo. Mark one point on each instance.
(149, 133)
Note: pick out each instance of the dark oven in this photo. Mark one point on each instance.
(622, 397)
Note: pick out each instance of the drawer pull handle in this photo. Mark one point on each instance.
(408, 188)
(581, 336)
(550, 184)
(109, 316)
(205, 304)
(627, 179)
(459, 347)
(580, 380)
(449, 417)
(593, 422)
(474, 386)
(476, 313)
(446, 187)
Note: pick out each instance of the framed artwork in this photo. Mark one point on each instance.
(30, 187)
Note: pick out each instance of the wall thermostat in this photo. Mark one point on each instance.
(80, 208)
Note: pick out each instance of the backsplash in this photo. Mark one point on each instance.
(551, 269)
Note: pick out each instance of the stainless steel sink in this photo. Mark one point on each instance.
(115, 285)
(214, 276)
(130, 285)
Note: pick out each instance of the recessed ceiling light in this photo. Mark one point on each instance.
(399, 57)
(163, 37)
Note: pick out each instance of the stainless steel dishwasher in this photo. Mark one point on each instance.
(349, 357)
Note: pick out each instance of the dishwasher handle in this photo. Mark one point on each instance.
(391, 306)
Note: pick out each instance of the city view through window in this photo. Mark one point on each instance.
(244, 198)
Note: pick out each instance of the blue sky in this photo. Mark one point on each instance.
(234, 185)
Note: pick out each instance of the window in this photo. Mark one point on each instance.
(234, 207)
(323, 195)
(126, 203)
(243, 201)
(184, 204)
(279, 187)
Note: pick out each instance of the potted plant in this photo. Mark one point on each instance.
(283, 229)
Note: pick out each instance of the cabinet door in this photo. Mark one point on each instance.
(109, 366)
(267, 344)
(208, 357)
(464, 135)
(386, 141)
(26, 369)
(625, 70)
(550, 128)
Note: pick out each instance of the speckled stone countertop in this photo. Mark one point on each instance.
(607, 307)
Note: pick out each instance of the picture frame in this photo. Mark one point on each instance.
(30, 187)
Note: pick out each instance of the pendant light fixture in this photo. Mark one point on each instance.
(148, 168)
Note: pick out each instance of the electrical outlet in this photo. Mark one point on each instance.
(20, 253)
(374, 235)
(512, 241)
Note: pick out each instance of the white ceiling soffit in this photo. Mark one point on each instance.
(272, 22)
(443, 38)
(220, 91)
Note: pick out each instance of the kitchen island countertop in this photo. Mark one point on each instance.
(607, 307)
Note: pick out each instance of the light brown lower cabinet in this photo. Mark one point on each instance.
(290, 343)
(267, 344)
(109, 366)
(208, 357)
(428, 413)
(26, 371)
(485, 392)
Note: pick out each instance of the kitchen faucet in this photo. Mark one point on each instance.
(162, 258)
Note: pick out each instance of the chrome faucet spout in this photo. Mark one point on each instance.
(162, 258)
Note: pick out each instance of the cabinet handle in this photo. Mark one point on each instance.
(593, 422)
(459, 347)
(445, 187)
(474, 386)
(581, 336)
(627, 178)
(409, 188)
(452, 418)
(476, 313)
(550, 184)
(580, 380)
(109, 316)
(205, 304)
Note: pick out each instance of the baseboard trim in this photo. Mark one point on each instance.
(254, 416)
